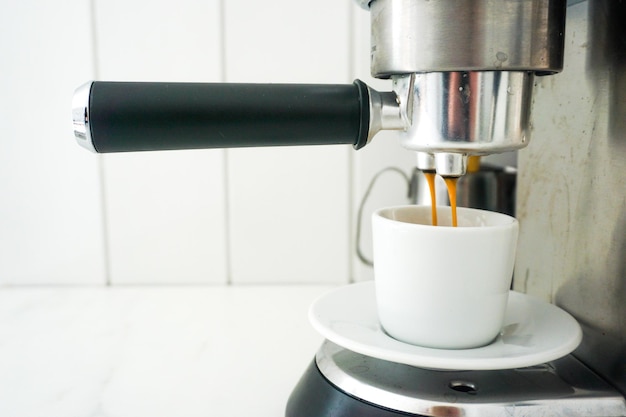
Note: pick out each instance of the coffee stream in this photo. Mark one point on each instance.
(430, 178)
(473, 165)
(451, 183)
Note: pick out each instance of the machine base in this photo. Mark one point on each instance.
(342, 383)
(315, 396)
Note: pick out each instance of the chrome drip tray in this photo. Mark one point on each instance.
(564, 387)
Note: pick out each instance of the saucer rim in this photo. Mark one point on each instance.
(454, 359)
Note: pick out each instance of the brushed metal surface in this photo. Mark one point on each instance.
(466, 35)
(563, 387)
(571, 187)
(468, 112)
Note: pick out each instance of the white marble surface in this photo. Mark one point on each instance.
(153, 351)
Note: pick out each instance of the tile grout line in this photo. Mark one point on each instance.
(100, 159)
(351, 157)
(225, 153)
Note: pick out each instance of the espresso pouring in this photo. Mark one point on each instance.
(473, 165)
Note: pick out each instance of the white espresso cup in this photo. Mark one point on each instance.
(440, 286)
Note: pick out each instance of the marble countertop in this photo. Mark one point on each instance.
(153, 351)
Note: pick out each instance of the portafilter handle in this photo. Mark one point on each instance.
(148, 116)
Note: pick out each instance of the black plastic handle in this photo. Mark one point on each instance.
(146, 116)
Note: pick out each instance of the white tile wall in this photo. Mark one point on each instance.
(50, 207)
(384, 151)
(165, 210)
(289, 207)
(213, 216)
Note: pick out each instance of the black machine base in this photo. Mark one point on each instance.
(343, 383)
(315, 396)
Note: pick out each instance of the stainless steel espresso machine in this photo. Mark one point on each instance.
(465, 76)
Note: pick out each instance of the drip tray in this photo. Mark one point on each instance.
(564, 387)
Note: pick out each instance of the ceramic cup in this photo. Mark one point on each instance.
(440, 286)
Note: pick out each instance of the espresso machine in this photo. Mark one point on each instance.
(464, 78)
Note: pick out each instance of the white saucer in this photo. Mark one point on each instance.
(534, 332)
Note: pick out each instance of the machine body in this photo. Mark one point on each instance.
(571, 197)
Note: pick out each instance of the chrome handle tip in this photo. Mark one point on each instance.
(80, 116)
